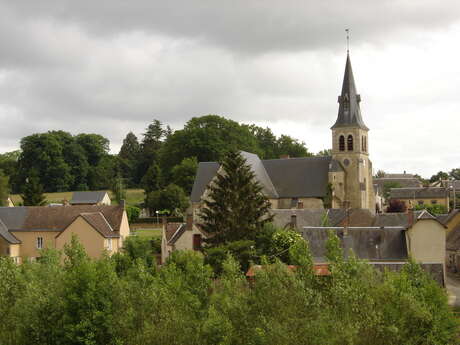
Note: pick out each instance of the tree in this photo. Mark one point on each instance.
(128, 157)
(380, 173)
(152, 142)
(292, 147)
(436, 209)
(152, 179)
(118, 189)
(387, 188)
(455, 173)
(208, 138)
(324, 153)
(171, 198)
(183, 174)
(441, 175)
(397, 206)
(4, 189)
(33, 191)
(235, 209)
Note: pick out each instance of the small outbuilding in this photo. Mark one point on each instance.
(90, 198)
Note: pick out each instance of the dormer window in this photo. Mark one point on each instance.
(341, 143)
(350, 143)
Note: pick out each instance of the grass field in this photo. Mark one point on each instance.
(133, 197)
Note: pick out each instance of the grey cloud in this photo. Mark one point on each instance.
(248, 26)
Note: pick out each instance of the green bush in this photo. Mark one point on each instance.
(133, 213)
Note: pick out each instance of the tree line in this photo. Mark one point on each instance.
(163, 162)
(73, 299)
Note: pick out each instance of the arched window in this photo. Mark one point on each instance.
(365, 144)
(362, 143)
(342, 143)
(350, 143)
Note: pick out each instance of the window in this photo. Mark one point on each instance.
(420, 202)
(362, 143)
(196, 242)
(350, 143)
(434, 202)
(108, 244)
(342, 143)
(39, 242)
(365, 144)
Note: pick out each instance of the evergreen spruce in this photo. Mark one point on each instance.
(235, 208)
(33, 191)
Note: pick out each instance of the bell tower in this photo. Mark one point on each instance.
(350, 145)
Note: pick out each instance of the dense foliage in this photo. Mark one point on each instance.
(124, 302)
(435, 209)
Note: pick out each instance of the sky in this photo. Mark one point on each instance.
(112, 66)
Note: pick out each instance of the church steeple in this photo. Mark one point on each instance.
(349, 111)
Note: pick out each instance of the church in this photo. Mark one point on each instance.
(342, 180)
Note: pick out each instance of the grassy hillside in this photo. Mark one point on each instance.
(133, 197)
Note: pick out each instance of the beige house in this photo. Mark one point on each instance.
(387, 241)
(413, 196)
(181, 236)
(90, 198)
(24, 231)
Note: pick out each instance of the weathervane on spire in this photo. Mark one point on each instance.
(348, 40)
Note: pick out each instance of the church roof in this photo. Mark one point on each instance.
(349, 110)
(280, 178)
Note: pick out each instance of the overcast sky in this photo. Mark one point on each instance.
(111, 66)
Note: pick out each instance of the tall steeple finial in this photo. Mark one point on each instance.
(348, 40)
(349, 111)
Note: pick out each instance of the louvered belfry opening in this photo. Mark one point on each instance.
(342, 143)
(350, 143)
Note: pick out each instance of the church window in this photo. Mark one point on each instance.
(350, 143)
(342, 143)
(365, 144)
(362, 144)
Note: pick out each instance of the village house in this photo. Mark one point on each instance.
(421, 196)
(24, 231)
(90, 198)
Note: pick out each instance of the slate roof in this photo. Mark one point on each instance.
(281, 178)
(401, 176)
(6, 235)
(204, 174)
(370, 243)
(92, 197)
(403, 182)
(44, 218)
(174, 231)
(418, 193)
(98, 222)
(349, 110)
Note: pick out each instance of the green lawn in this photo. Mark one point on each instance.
(133, 197)
(147, 232)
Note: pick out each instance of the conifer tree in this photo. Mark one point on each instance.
(33, 191)
(235, 208)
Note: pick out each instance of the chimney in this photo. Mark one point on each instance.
(189, 222)
(300, 205)
(404, 172)
(294, 221)
(164, 221)
(65, 202)
(123, 203)
(285, 157)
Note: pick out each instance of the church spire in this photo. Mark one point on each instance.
(349, 111)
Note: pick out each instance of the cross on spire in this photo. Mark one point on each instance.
(348, 40)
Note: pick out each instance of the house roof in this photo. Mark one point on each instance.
(44, 218)
(349, 111)
(418, 193)
(402, 182)
(370, 243)
(100, 223)
(6, 235)
(307, 217)
(281, 178)
(446, 218)
(174, 231)
(92, 197)
(299, 177)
